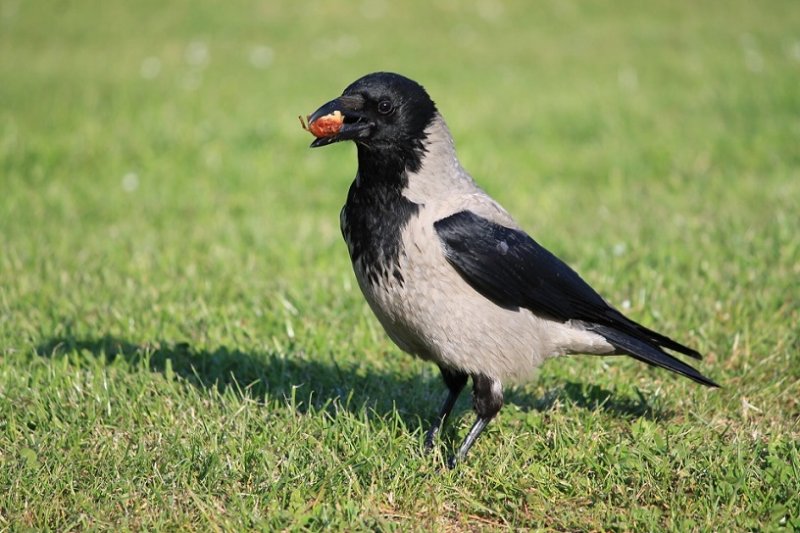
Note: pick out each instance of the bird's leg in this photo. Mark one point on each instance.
(455, 382)
(487, 396)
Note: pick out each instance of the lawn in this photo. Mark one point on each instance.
(182, 341)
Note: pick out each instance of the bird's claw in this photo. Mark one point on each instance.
(430, 439)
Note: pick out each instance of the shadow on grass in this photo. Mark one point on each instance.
(591, 398)
(415, 398)
(260, 375)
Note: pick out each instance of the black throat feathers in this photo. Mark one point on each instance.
(376, 211)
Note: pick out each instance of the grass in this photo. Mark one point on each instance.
(182, 344)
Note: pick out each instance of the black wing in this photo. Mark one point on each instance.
(511, 269)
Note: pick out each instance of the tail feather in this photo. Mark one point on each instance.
(650, 353)
(638, 330)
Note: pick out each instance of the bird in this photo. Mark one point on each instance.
(447, 271)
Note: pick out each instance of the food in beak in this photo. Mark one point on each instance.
(325, 126)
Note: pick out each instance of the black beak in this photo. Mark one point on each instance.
(356, 124)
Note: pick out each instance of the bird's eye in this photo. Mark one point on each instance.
(385, 107)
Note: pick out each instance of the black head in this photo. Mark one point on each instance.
(382, 111)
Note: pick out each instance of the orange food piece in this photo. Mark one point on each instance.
(325, 126)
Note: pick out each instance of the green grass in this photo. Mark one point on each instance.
(182, 343)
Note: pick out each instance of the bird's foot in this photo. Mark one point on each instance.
(430, 438)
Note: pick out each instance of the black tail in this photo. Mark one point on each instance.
(626, 325)
(651, 353)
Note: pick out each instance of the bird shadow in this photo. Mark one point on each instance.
(287, 375)
(627, 404)
(313, 383)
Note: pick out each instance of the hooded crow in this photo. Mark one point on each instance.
(446, 270)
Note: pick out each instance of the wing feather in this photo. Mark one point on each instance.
(510, 268)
